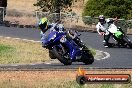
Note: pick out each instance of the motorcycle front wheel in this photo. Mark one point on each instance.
(87, 57)
(59, 55)
(51, 55)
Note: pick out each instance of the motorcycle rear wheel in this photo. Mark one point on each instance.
(127, 40)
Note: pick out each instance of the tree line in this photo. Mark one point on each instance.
(109, 8)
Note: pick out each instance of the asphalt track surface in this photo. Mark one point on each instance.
(119, 57)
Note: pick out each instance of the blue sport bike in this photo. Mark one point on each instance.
(66, 50)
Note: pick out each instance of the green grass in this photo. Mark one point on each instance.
(18, 51)
(69, 84)
(5, 49)
(7, 52)
(107, 86)
(42, 84)
(127, 85)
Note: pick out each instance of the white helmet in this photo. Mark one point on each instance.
(101, 19)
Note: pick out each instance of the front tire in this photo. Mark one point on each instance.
(58, 53)
(51, 55)
(87, 57)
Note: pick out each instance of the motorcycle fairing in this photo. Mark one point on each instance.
(74, 49)
(112, 28)
(118, 34)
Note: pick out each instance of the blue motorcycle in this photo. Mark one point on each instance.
(67, 50)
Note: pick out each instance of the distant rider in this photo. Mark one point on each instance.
(102, 29)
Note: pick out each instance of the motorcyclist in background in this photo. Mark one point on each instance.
(102, 29)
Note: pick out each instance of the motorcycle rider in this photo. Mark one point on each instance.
(102, 29)
(46, 28)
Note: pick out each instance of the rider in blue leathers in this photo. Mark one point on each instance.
(46, 28)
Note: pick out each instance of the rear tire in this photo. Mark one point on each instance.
(61, 58)
(87, 57)
(127, 40)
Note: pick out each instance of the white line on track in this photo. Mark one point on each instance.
(107, 55)
(19, 39)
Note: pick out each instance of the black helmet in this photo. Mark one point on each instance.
(101, 19)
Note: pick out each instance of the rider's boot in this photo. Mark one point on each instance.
(106, 45)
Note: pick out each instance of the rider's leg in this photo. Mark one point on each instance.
(106, 40)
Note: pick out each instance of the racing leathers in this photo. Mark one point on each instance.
(102, 29)
(50, 28)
